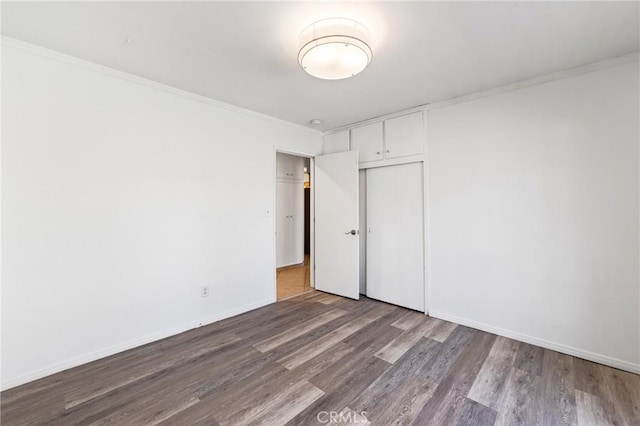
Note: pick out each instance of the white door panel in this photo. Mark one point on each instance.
(368, 141)
(404, 135)
(336, 215)
(395, 238)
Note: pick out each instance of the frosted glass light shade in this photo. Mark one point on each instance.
(335, 48)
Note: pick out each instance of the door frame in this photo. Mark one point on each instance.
(312, 213)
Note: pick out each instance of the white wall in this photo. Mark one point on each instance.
(119, 202)
(534, 214)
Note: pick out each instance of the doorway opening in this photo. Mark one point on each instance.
(293, 225)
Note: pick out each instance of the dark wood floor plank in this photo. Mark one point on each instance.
(558, 389)
(278, 408)
(409, 320)
(18, 403)
(406, 403)
(590, 378)
(319, 333)
(356, 362)
(282, 322)
(348, 386)
(489, 384)
(196, 371)
(401, 344)
(473, 413)
(441, 331)
(406, 373)
(298, 330)
(318, 354)
(444, 355)
(239, 394)
(593, 410)
(519, 404)
(444, 406)
(324, 363)
(111, 379)
(328, 299)
(624, 391)
(311, 350)
(376, 335)
(530, 358)
(244, 397)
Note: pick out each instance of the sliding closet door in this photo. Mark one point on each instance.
(395, 237)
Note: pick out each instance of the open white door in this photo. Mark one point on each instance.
(336, 224)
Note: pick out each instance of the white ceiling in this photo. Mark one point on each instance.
(244, 53)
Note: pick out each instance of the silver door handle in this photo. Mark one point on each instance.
(352, 232)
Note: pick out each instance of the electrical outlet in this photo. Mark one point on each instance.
(204, 291)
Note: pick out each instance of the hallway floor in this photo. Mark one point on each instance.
(293, 280)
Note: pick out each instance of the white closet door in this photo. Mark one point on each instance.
(297, 222)
(395, 237)
(282, 223)
(290, 229)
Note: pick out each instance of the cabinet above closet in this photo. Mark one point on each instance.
(392, 141)
(404, 136)
(368, 141)
(289, 167)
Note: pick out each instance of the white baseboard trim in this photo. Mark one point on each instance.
(569, 350)
(134, 343)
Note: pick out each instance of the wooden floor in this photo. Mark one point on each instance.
(293, 280)
(296, 362)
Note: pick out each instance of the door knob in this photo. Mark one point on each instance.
(352, 232)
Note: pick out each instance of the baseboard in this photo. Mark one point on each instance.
(569, 350)
(289, 266)
(134, 343)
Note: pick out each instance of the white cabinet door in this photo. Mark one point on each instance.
(404, 136)
(368, 141)
(283, 165)
(336, 224)
(297, 168)
(395, 237)
(289, 167)
(336, 142)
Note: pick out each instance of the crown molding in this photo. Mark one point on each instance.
(558, 75)
(112, 72)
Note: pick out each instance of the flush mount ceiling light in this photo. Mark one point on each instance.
(334, 48)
